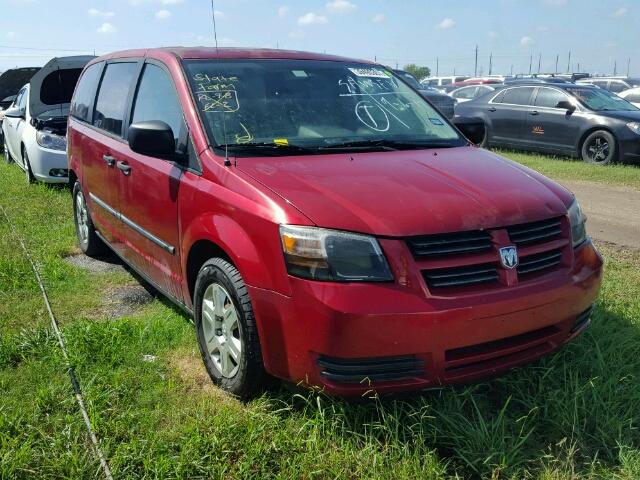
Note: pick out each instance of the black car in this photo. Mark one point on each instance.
(563, 118)
(444, 103)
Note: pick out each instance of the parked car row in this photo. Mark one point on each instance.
(321, 221)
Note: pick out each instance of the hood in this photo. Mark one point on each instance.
(12, 80)
(628, 116)
(410, 192)
(53, 85)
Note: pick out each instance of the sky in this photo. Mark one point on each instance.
(439, 34)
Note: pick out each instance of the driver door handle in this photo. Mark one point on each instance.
(492, 109)
(124, 167)
(109, 160)
(535, 112)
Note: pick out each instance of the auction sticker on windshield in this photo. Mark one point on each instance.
(369, 72)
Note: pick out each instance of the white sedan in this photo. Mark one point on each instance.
(632, 95)
(34, 127)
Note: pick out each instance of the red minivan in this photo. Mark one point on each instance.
(322, 222)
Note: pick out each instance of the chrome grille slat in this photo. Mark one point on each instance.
(539, 262)
(460, 276)
(449, 243)
(535, 232)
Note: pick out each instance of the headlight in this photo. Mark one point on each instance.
(577, 221)
(332, 255)
(51, 140)
(634, 127)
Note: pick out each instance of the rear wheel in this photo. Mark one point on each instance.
(599, 148)
(88, 239)
(7, 155)
(226, 330)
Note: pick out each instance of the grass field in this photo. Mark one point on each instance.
(573, 415)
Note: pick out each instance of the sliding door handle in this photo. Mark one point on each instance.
(124, 167)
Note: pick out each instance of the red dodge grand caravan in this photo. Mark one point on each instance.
(322, 222)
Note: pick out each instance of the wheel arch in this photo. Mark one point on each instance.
(588, 132)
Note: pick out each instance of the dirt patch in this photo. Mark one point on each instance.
(195, 379)
(104, 264)
(125, 300)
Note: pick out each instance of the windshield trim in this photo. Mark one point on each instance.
(220, 150)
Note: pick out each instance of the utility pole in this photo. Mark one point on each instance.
(628, 66)
(615, 68)
(530, 62)
(539, 62)
(475, 71)
(557, 59)
(569, 62)
(490, 63)
(511, 70)
(437, 66)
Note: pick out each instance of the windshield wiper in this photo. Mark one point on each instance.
(263, 146)
(385, 144)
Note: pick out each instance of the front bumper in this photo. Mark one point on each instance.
(44, 162)
(629, 148)
(325, 330)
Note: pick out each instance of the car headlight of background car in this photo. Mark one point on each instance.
(51, 140)
(634, 127)
(577, 221)
(332, 255)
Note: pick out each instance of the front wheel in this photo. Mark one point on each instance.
(27, 167)
(7, 155)
(599, 148)
(226, 330)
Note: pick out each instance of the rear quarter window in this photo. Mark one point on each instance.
(82, 102)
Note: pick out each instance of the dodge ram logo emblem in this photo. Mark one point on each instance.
(509, 257)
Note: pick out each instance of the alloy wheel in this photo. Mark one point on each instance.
(221, 329)
(599, 150)
(82, 217)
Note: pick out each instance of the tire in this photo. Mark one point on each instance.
(227, 334)
(88, 240)
(27, 167)
(7, 155)
(599, 148)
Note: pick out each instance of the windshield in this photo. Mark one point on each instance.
(310, 104)
(600, 100)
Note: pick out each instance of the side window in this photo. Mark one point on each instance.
(113, 95)
(634, 98)
(618, 86)
(499, 97)
(82, 102)
(16, 102)
(549, 97)
(466, 93)
(518, 96)
(157, 100)
(600, 83)
(445, 81)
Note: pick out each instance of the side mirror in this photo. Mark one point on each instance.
(153, 138)
(14, 112)
(472, 128)
(566, 105)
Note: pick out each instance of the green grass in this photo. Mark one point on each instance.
(562, 168)
(572, 415)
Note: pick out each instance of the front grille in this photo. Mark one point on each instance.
(382, 369)
(540, 262)
(535, 232)
(460, 243)
(461, 276)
